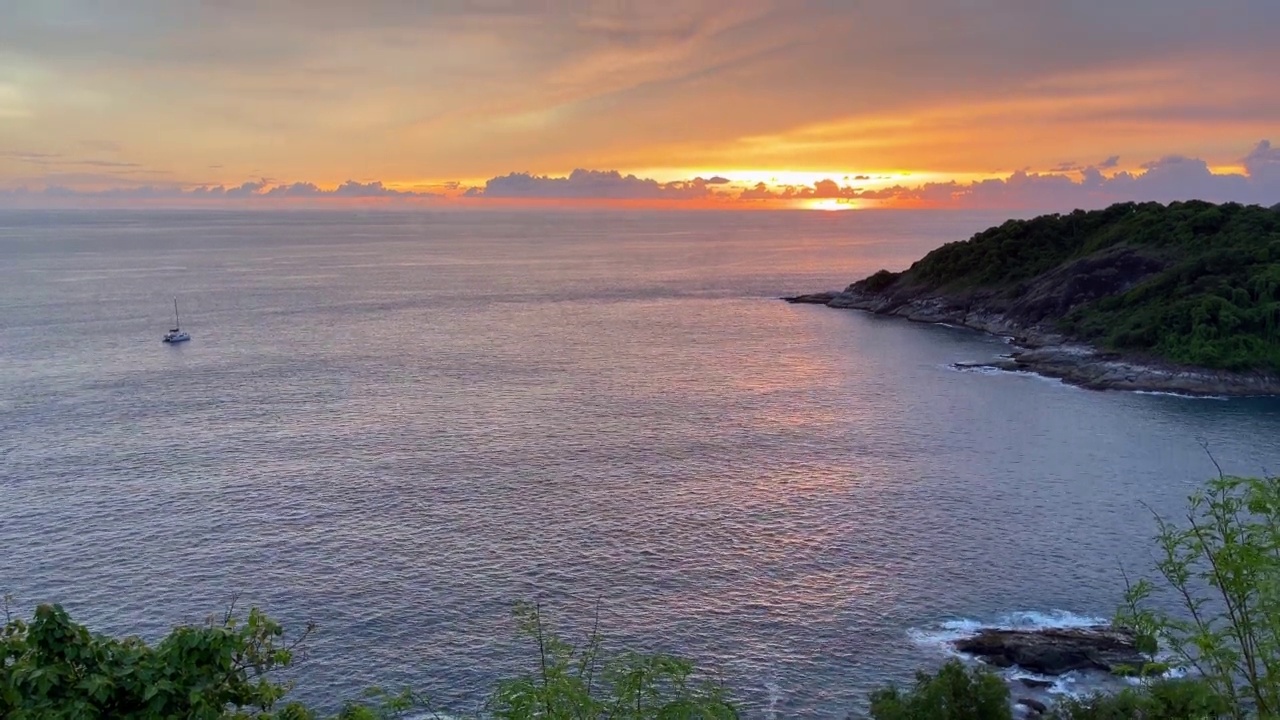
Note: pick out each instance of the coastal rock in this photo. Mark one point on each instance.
(1034, 706)
(821, 298)
(1139, 277)
(1035, 683)
(1086, 367)
(1059, 291)
(1045, 352)
(1054, 651)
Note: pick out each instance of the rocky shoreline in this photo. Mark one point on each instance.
(1052, 652)
(1047, 353)
(1056, 651)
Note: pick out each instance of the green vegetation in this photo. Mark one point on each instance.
(1159, 700)
(1222, 564)
(573, 684)
(957, 692)
(1191, 282)
(953, 693)
(55, 669)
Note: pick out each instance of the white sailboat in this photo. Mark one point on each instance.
(177, 334)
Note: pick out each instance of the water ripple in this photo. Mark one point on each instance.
(404, 433)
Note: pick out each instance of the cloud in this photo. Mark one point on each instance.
(602, 81)
(759, 191)
(1263, 162)
(82, 179)
(1168, 179)
(34, 158)
(298, 189)
(348, 189)
(245, 190)
(46, 159)
(100, 145)
(351, 188)
(105, 163)
(591, 184)
(249, 191)
(1066, 186)
(826, 189)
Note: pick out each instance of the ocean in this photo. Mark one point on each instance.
(399, 424)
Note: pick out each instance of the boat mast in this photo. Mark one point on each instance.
(176, 325)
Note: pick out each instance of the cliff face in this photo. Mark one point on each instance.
(1088, 304)
(1043, 350)
(1027, 310)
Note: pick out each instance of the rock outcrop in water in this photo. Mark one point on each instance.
(1046, 352)
(1054, 651)
(1103, 301)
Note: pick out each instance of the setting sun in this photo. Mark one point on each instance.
(709, 106)
(512, 345)
(829, 204)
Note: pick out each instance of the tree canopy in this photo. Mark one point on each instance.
(1209, 293)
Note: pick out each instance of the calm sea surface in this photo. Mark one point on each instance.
(398, 425)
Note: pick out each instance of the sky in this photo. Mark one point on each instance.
(690, 103)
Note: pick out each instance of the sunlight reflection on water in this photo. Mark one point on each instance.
(403, 424)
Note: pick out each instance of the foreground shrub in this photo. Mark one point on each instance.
(953, 693)
(1160, 700)
(958, 693)
(1223, 565)
(55, 669)
(585, 683)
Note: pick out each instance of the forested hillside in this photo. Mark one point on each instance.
(1191, 282)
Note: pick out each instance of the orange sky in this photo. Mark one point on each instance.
(440, 97)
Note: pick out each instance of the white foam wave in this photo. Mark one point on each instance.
(980, 369)
(1183, 396)
(1071, 685)
(775, 696)
(944, 633)
(1059, 382)
(992, 370)
(1167, 657)
(1034, 619)
(966, 366)
(940, 636)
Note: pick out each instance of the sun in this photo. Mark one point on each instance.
(829, 204)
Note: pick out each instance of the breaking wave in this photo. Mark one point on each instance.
(940, 636)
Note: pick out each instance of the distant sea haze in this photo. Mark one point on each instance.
(399, 424)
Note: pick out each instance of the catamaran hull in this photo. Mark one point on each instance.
(177, 334)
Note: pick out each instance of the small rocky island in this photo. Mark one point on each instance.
(1181, 298)
(1051, 652)
(1055, 651)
